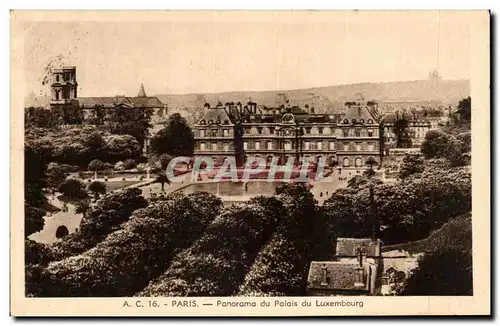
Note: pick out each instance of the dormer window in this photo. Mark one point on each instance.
(370, 121)
(202, 122)
(217, 122)
(353, 120)
(210, 122)
(346, 121)
(226, 122)
(362, 121)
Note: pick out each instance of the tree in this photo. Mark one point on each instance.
(464, 110)
(176, 139)
(444, 272)
(82, 208)
(164, 161)
(96, 165)
(130, 257)
(400, 129)
(104, 218)
(436, 144)
(97, 187)
(55, 175)
(129, 164)
(411, 164)
(122, 147)
(33, 219)
(162, 179)
(130, 121)
(73, 189)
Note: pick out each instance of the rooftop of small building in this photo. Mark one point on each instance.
(333, 275)
(348, 247)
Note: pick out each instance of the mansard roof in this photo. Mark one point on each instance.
(358, 112)
(215, 114)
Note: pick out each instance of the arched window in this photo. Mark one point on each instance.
(358, 162)
(61, 231)
(346, 162)
(362, 121)
(346, 121)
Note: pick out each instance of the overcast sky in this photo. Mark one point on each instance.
(227, 55)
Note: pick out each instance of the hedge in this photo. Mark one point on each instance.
(282, 266)
(217, 263)
(104, 218)
(129, 258)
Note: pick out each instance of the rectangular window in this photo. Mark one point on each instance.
(202, 146)
(271, 130)
(370, 133)
(257, 145)
(320, 145)
(306, 145)
(314, 146)
(358, 147)
(226, 132)
(226, 147)
(320, 130)
(346, 133)
(288, 146)
(358, 133)
(214, 146)
(245, 145)
(332, 145)
(259, 130)
(269, 145)
(370, 147)
(202, 132)
(308, 130)
(214, 132)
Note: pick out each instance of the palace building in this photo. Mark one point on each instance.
(348, 139)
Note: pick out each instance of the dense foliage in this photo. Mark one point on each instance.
(176, 139)
(217, 262)
(80, 145)
(422, 202)
(282, 266)
(104, 218)
(130, 257)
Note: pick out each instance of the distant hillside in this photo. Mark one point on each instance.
(324, 99)
(447, 92)
(454, 234)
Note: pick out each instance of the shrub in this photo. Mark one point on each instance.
(217, 262)
(73, 189)
(423, 203)
(97, 187)
(96, 165)
(36, 253)
(129, 164)
(281, 268)
(104, 218)
(129, 258)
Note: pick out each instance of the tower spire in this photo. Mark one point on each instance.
(142, 92)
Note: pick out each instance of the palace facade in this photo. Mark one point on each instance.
(347, 139)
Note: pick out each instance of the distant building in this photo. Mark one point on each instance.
(64, 91)
(359, 267)
(248, 130)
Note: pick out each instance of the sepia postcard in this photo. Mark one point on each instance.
(250, 163)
